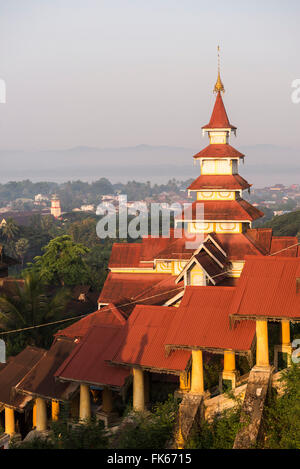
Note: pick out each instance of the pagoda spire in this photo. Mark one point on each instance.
(219, 87)
(219, 118)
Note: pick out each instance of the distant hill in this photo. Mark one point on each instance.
(264, 164)
(285, 225)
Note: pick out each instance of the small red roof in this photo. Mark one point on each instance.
(285, 246)
(15, 370)
(160, 292)
(226, 182)
(237, 246)
(106, 316)
(267, 288)
(151, 246)
(261, 237)
(88, 361)
(219, 151)
(142, 340)
(219, 118)
(39, 381)
(202, 321)
(127, 286)
(178, 248)
(125, 255)
(225, 210)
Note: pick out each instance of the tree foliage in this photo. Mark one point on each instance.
(282, 415)
(63, 262)
(28, 306)
(148, 430)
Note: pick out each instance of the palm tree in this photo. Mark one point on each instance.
(21, 248)
(28, 305)
(9, 229)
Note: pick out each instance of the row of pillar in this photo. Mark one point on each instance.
(39, 416)
(262, 343)
(39, 411)
(193, 383)
(85, 402)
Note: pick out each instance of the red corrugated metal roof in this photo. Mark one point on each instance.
(219, 151)
(88, 361)
(281, 243)
(229, 210)
(202, 321)
(125, 255)
(160, 293)
(219, 118)
(261, 237)
(142, 340)
(15, 370)
(237, 246)
(225, 182)
(107, 316)
(127, 285)
(267, 288)
(40, 379)
(151, 246)
(214, 250)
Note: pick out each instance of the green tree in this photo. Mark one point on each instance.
(28, 305)
(63, 262)
(148, 430)
(10, 229)
(21, 248)
(282, 416)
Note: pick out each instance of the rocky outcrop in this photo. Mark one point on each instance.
(252, 411)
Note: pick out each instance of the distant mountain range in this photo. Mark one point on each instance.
(264, 164)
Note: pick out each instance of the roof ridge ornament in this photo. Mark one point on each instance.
(219, 87)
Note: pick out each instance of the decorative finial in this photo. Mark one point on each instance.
(219, 87)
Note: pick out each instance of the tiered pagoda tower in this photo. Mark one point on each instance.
(220, 186)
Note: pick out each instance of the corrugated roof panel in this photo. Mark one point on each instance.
(224, 182)
(267, 288)
(125, 255)
(40, 379)
(15, 370)
(127, 285)
(88, 361)
(202, 320)
(142, 340)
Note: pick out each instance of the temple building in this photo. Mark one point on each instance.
(168, 307)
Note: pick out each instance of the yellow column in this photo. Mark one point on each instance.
(107, 401)
(197, 372)
(34, 415)
(138, 390)
(229, 360)
(285, 333)
(147, 388)
(9, 421)
(55, 410)
(85, 402)
(262, 346)
(41, 415)
(184, 382)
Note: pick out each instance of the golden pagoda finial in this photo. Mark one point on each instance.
(219, 85)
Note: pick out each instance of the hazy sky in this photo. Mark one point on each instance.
(119, 73)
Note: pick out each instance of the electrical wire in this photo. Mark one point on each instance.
(122, 305)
